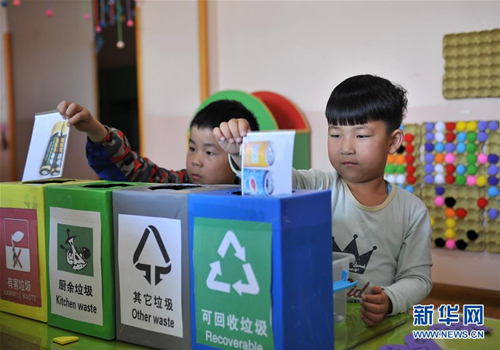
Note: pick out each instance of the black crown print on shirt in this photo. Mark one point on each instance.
(361, 263)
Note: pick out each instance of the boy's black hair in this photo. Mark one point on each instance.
(367, 98)
(213, 114)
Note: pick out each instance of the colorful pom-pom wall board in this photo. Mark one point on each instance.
(492, 209)
(457, 162)
(454, 153)
(465, 154)
(456, 218)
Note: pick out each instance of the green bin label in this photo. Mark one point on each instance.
(232, 283)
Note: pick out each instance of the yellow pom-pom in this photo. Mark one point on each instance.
(432, 221)
(450, 233)
(450, 223)
(471, 126)
(481, 181)
(461, 126)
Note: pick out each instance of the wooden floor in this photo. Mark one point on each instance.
(446, 294)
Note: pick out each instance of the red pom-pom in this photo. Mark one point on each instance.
(409, 137)
(450, 137)
(409, 148)
(409, 159)
(410, 169)
(450, 179)
(411, 179)
(461, 213)
(450, 126)
(450, 169)
(482, 202)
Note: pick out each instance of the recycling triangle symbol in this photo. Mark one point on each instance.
(159, 270)
(252, 287)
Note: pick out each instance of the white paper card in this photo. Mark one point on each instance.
(47, 149)
(267, 163)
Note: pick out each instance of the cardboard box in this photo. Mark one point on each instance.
(152, 264)
(22, 243)
(80, 247)
(261, 271)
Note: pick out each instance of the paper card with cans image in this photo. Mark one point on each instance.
(47, 147)
(267, 163)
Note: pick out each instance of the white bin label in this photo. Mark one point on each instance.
(150, 271)
(75, 265)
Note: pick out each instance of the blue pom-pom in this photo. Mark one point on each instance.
(493, 192)
(493, 126)
(439, 147)
(439, 190)
(493, 158)
(462, 136)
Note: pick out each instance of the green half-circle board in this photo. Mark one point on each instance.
(288, 116)
(256, 106)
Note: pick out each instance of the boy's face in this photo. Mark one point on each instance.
(206, 162)
(359, 152)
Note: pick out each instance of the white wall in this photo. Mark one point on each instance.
(171, 83)
(52, 61)
(303, 49)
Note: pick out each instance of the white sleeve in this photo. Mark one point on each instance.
(413, 275)
(313, 179)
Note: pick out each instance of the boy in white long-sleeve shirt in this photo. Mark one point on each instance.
(386, 228)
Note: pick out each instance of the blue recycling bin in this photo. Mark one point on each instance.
(261, 270)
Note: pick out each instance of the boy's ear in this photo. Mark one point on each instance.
(396, 140)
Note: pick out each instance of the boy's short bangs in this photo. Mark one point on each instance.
(366, 98)
(350, 116)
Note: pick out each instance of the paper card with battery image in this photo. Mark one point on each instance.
(47, 147)
(267, 163)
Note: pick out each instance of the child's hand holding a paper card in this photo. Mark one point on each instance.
(82, 120)
(265, 160)
(230, 137)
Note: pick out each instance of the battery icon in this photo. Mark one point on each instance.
(58, 158)
(52, 161)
